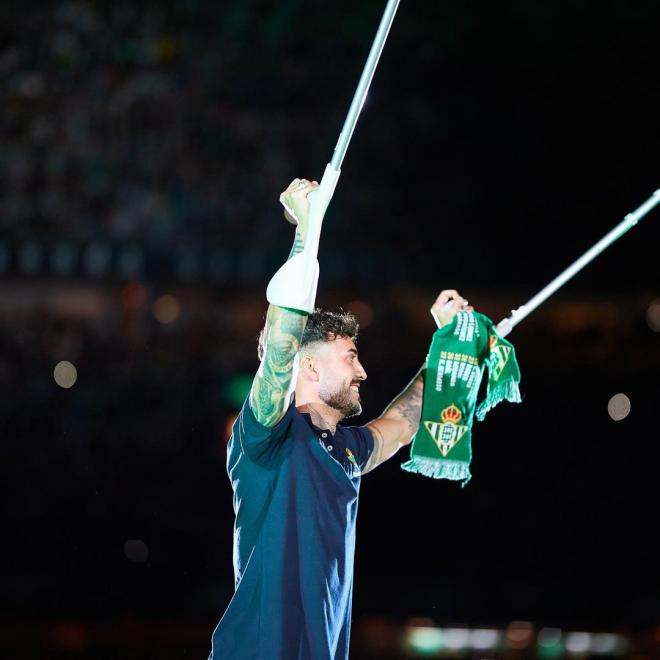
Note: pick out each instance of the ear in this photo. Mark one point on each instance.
(309, 369)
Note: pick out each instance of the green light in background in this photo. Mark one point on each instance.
(550, 644)
(236, 389)
(425, 641)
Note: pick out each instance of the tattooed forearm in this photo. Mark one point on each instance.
(298, 243)
(408, 405)
(284, 329)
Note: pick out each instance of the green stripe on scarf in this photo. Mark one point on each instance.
(460, 352)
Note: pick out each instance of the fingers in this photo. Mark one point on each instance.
(452, 296)
(294, 185)
(459, 304)
(447, 305)
(298, 185)
(297, 190)
(294, 199)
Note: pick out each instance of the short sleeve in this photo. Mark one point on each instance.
(257, 441)
(361, 443)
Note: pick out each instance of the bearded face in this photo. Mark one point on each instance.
(345, 398)
(340, 374)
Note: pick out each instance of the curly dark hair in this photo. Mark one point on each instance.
(327, 326)
(323, 326)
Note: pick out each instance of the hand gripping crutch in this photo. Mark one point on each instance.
(294, 284)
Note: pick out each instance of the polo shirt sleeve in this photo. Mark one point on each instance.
(259, 442)
(361, 443)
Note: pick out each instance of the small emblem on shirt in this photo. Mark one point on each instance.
(351, 458)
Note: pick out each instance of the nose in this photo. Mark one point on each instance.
(361, 373)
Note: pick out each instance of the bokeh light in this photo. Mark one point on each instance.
(65, 374)
(237, 388)
(607, 644)
(136, 550)
(456, 638)
(519, 634)
(482, 639)
(166, 309)
(363, 311)
(424, 640)
(653, 315)
(550, 643)
(618, 407)
(134, 295)
(229, 425)
(578, 642)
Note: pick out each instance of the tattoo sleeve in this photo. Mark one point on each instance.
(408, 405)
(284, 329)
(282, 335)
(398, 423)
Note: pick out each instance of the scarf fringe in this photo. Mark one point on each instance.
(507, 389)
(439, 468)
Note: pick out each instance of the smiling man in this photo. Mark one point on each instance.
(296, 477)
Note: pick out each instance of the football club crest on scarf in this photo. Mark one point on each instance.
(447, 432)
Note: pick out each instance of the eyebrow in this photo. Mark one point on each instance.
(352, 350)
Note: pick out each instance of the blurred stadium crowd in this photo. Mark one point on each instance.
(107, 129)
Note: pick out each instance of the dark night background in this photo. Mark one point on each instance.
(143, 147)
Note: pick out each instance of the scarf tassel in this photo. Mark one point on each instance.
(439, 469)
(507, 389)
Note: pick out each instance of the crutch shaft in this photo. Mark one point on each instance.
(506, 325)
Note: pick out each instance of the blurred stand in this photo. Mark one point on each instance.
(373, 639)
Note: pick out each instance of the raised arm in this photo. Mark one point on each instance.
(269, 396)
(399, 421)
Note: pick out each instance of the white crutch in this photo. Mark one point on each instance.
(505, 326)
(294, 284)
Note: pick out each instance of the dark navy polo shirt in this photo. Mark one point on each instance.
(295, 497)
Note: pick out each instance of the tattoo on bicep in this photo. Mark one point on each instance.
(263, 399)
(268, 400)
(279, 358)
(283, 334)
(293, 323)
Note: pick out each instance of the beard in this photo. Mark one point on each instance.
(342, 401)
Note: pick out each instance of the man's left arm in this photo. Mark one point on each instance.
(398, 423)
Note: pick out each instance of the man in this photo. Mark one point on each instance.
(296, 477)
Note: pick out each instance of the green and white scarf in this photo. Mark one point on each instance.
(460, 352)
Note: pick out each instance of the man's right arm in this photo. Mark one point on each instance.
(270, 388)
(284, 327)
